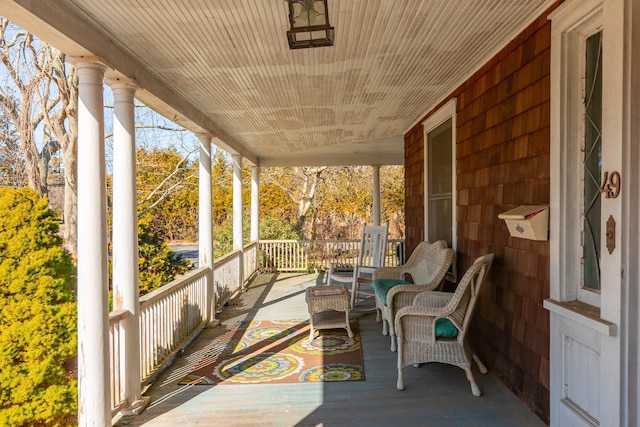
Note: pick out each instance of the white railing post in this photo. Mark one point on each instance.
(238, 244)
(125, 243)
(205, 222)
(376, 194)
(93, 313)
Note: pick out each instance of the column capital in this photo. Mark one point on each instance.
(237, 159)
(121, 84)
(204, 137)
(86, 62)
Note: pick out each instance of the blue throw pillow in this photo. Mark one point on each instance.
(382, 287)
(445, 329)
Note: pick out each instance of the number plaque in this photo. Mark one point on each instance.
(611, 184)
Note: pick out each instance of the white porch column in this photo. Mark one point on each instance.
(205, 221)
(125, 243)
(237, 202)
(94, 406)
(376, 194)
(237, 213)
(255, 203)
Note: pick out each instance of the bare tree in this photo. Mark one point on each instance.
(40, 89)
(12, 172)
(301, 184)
(62, 123)
(16, 46)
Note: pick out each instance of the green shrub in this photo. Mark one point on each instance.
(37, 314)
(158, 264)
(273, 228)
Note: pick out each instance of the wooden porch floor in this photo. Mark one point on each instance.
(435, 394)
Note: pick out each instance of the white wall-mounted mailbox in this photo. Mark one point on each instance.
(528, 222)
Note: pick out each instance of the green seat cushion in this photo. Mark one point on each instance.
(382, 287)
(445, 329)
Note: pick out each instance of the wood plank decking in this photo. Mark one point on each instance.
(435, 395)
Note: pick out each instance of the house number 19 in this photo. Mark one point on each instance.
(611, 185)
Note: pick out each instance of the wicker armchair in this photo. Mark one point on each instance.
(427, 266)
(434, 328)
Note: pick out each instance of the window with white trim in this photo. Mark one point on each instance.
(440, 175)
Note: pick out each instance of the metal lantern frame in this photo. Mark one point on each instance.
(305, 36)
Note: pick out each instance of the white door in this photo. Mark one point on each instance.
(589, 232)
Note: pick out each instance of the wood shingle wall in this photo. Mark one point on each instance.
(502, 155)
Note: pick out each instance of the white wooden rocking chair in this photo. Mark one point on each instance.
(372, 254)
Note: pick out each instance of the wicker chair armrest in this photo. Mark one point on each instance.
(433, 303)
(388, 273)
(430, 313)
(401, 297)
(406, 294)
(433, 298)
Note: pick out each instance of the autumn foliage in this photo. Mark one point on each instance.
(37, 314)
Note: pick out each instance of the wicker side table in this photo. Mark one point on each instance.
(328, 308)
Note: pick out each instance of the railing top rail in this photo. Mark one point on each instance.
(118, 315)
(171, 287)
(226, 258)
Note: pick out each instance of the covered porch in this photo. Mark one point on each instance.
(496, 87)
(435, 394)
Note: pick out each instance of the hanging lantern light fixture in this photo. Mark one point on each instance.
(309, 20)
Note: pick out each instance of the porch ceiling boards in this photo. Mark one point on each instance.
(224, 66)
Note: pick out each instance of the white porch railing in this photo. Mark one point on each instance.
(173, 314)
(169, 317)
(304, 255)
(250, 261)
(115, 350)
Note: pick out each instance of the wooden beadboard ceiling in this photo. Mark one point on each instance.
(393, 60)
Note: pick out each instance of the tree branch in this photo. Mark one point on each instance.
(164, 195)
(178, 168)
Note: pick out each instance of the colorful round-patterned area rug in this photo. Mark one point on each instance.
(259, 352)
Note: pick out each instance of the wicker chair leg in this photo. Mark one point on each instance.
(400, 380)
(481, 367)
(378, 315)
(474, 387)
(385, 327)
(393, 342)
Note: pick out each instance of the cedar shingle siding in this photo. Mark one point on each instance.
(502, 154)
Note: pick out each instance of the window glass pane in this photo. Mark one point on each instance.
(440, 226)
(440, 192)
(440, 160)
(592, 163)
